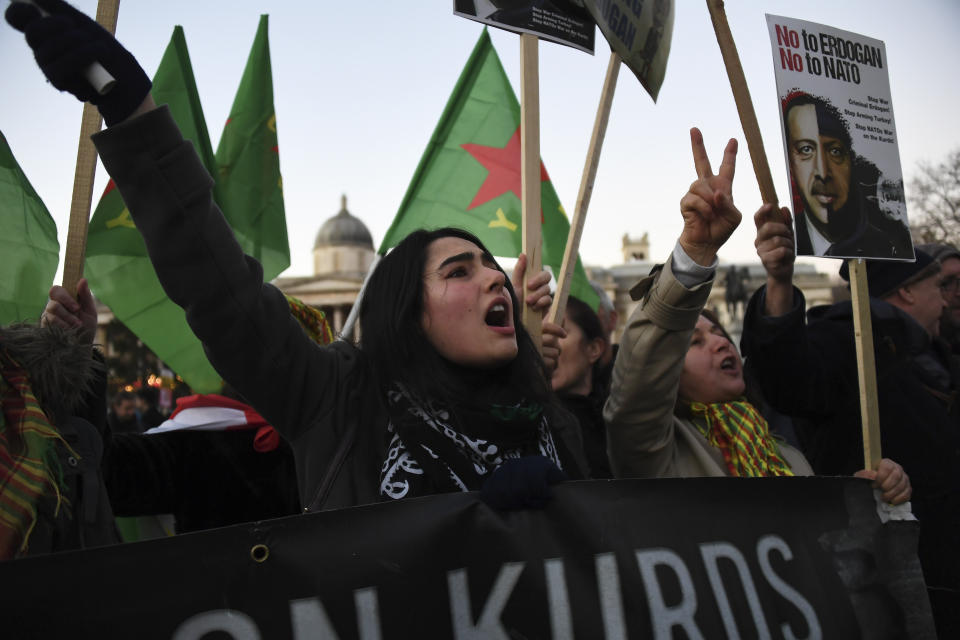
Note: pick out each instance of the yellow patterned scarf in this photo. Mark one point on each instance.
(313, 321)
(29, 464)
(743, 437)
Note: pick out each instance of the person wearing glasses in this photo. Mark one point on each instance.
(806, 366)
(949, 258)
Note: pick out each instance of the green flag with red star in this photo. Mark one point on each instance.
(117, 266)
(28, 244)
(469, 176)
(248, 184)
(248, 190)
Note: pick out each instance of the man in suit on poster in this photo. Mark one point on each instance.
(835, 191)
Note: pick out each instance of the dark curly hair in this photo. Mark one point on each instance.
(829, 119)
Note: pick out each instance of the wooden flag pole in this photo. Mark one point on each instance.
(86, 169)
(586, 190)
(530, 174)
(866, 366)
(741, 95)
(863, 329)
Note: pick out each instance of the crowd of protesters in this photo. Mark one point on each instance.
(447, 391)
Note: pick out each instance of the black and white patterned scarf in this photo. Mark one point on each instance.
(432, 451)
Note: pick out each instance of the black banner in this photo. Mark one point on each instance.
(563, 21)
(712, 558)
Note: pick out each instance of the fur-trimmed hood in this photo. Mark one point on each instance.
(60, 366)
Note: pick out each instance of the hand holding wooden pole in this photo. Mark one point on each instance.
(83, 176)
(866, 365)
(858, 272)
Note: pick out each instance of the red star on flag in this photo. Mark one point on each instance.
(504, 167)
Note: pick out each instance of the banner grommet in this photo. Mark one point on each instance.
(259, 552)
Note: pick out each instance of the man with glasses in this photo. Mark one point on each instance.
(806, 366)
(949, 258)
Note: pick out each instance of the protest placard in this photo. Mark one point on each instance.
(562, 21)
(840, 142)
(640, 33)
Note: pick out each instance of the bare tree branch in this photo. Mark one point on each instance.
(935, 201)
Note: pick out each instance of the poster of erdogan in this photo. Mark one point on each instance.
(840, 142)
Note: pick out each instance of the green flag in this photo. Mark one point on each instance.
(28, 244)
(117, 265)
(469, 176)
(249, 188)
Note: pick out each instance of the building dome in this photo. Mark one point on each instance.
(343, 230)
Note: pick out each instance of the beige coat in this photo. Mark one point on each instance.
(644, 438)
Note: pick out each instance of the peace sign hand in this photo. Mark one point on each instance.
(709, 216)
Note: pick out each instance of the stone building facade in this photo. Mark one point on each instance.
(616, 281)
(342, 254)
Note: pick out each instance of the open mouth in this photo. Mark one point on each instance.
(728, 364)
(497, 315)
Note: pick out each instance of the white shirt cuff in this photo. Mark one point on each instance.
(688, 272)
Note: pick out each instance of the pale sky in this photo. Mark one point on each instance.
(359, 87)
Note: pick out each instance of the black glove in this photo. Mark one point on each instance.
(66, 42)
(522, 483)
